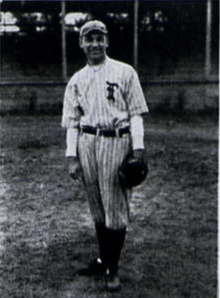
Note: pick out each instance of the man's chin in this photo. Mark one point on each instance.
(97, 58)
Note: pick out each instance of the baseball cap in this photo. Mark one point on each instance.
(93, 26)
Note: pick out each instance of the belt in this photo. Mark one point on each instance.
(105, 132)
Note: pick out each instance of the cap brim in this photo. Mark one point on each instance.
(93, 30)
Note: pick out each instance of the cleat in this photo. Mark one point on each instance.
(112, 282)
(95, 267)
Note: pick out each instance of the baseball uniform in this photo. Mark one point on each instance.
(102, 112)
(104, 97)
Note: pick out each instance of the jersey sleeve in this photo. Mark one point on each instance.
(71, 109)
(134, 96)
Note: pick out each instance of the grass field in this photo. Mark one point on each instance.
(46, 233)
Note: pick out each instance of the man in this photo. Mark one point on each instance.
(102, 111)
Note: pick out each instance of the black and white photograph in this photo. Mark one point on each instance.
(109, 134)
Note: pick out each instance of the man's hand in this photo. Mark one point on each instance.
(141, 155)
(74, 168)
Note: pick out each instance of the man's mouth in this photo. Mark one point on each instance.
(95, 52)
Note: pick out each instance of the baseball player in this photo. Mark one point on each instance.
(103, 113)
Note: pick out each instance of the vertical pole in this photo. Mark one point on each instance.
(208, 38)
(0, 46)
(63, 36)
(136, 8)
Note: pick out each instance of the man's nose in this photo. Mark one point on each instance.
(95, 43)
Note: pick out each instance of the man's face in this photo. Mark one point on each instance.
(94, 45)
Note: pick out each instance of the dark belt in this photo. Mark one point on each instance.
(105, 132)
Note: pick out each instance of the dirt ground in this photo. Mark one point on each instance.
(46, 232)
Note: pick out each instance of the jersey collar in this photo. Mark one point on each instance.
(100, 66)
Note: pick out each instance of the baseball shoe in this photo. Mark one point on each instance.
(95, 267)
(112, 282)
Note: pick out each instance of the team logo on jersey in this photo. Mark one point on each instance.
(111, 90)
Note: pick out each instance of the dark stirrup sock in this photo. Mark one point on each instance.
(102, 237)
(110, 244)
(116, 240)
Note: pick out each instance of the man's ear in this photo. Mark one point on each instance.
(107, 41)
(81, 42)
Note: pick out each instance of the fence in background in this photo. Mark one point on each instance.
(174, 45)
(160, 38)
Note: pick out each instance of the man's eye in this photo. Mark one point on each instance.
(88, 40)
(100, 39)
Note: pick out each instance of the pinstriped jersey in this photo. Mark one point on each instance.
(104, 96)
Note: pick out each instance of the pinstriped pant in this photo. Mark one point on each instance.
(100, 158)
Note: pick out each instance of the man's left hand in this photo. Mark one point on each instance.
(141, 155)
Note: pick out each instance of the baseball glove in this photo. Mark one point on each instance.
(132, 172)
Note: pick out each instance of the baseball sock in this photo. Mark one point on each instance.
(102, 237)
(116, 240)
(110, 244)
